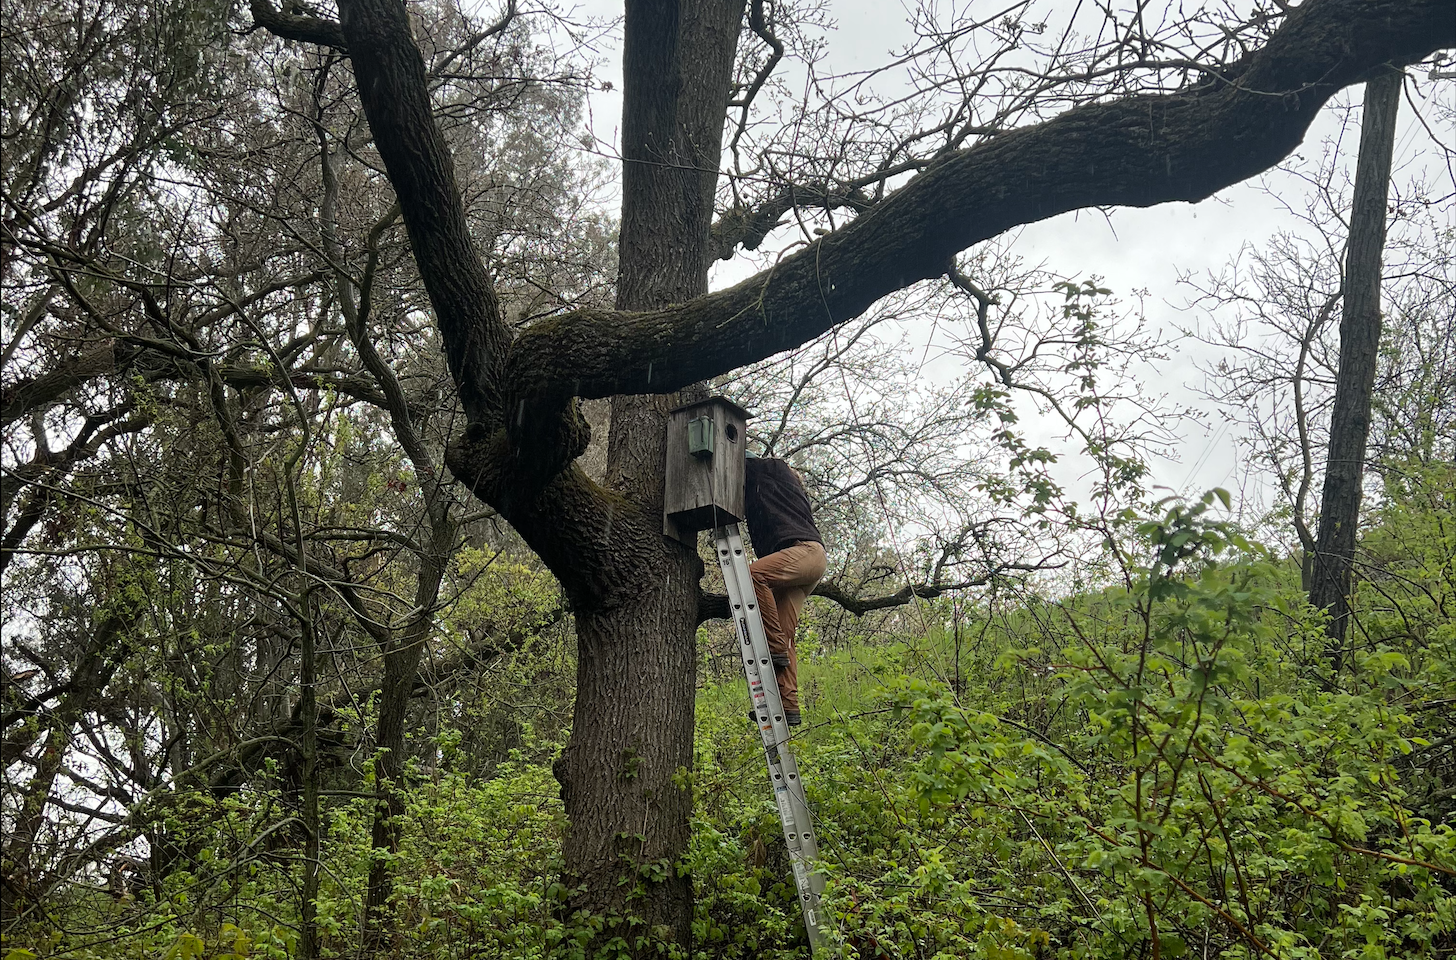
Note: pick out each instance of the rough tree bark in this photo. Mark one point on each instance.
(1333, 567)
(632, 728)
(634, 594)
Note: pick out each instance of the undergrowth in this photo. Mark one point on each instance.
(1166, 767)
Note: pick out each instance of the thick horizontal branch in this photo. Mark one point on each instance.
(859, 606)
(355, 387)
(23, 396)
(1137, 151)
(113, 357)
(714, 606)
(300, 27)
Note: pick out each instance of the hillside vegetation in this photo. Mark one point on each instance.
(1164, 767)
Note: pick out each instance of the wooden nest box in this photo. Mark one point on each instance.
(704, 473)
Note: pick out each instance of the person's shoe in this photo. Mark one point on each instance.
(792, 717)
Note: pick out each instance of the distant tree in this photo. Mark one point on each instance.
(224, 416)
(1360, 322)
(1282, 309)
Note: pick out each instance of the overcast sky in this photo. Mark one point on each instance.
(1132, 249)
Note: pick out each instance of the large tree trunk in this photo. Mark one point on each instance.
(632, 731)
(1359, 351)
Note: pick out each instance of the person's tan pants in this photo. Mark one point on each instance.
(782, 582)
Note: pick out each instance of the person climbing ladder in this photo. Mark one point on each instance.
(790, 563)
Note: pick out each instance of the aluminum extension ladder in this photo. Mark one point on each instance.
(763, 687)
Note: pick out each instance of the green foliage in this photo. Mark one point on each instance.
(1164, 764)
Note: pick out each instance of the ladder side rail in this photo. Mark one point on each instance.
(762, 683)
(789, 795)
(742, 592)
(758, 660)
